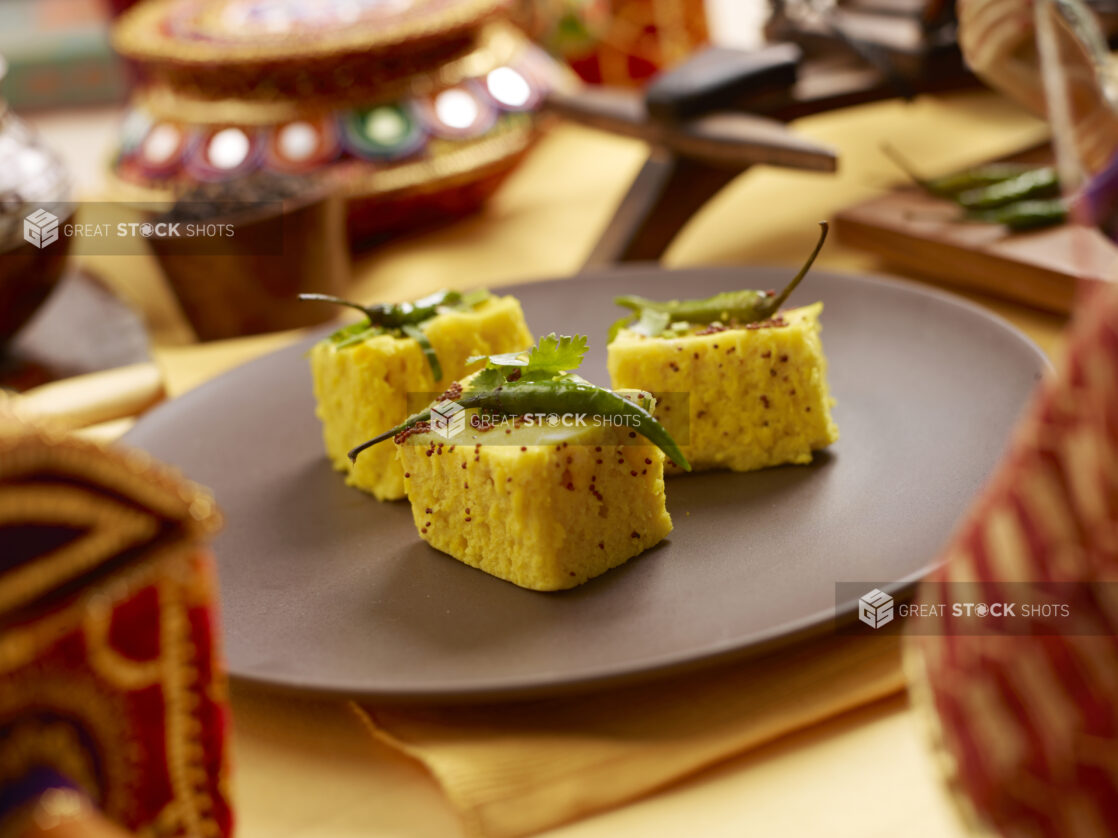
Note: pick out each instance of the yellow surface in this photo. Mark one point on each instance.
(364, 389)
(513, 771)
(756, 397)
(545, 517)
(304, 768)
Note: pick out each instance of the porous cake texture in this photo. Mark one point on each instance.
(363, 389)
(757, 394)
(542, 516)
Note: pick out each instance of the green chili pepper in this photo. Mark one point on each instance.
(405, 318)
(395, 315)
(1025, 215)
(564, 395)
(730, 306)
(1042, 182)
(948, 186)
(977, 178)
(1016, 195)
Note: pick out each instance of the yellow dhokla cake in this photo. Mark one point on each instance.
(362, 387)
(545, 515)
(757, 394)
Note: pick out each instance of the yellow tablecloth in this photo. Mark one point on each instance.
(307, 768)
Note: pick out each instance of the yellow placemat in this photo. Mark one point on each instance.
(515, 770)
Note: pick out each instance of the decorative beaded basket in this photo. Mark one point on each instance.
(413, 109)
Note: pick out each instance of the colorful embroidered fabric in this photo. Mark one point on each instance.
(109, 675)
(1028, 725)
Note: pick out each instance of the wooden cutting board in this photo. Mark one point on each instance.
(926, 236)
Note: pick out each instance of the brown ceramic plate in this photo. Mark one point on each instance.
(326, 589)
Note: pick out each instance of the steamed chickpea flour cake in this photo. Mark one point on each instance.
(543, 506)
(548, 505)
(364, 372)
(756, 377)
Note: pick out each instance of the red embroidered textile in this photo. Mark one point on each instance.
(109, 674)
(1028, 725)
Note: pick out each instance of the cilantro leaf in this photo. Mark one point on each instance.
(509, 359)
(488, 379)
(548, 359)
(554, 354)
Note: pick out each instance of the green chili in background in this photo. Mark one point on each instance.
(1041, 182)
(1025, 215)
(1016, 195)
(949, 186)
(976, 178)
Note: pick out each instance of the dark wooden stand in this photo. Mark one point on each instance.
(722, 111)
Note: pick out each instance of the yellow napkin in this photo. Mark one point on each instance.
(513, 770)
